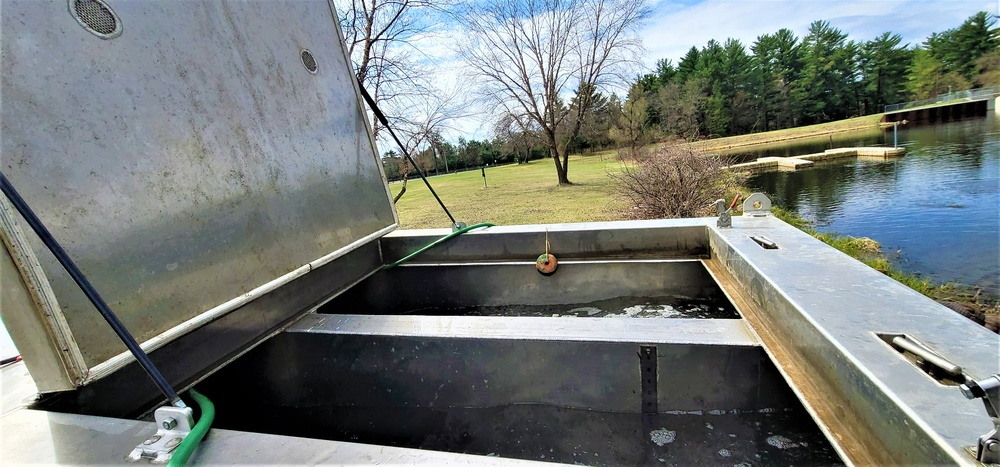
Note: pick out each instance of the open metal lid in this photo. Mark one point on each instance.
(198, 160)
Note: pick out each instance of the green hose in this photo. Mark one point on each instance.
(437, 242)
(190, 443)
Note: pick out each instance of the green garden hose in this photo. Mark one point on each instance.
(437, 242)
(190, 443)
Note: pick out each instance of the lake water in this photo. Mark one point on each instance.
(936, 211)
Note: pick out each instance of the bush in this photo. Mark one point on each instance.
(673, 181)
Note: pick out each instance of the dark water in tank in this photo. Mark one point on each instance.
(672, 306)
(767, 437)
(935, 211)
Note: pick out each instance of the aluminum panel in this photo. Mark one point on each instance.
(189, 160)
(824, 309)
(453, 285)
(34, 437)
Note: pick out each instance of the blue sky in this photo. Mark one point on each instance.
(676, 25)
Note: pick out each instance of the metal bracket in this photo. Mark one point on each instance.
(988, 449)
(172, 425)
(647, 374)
(757, 205)
(725, 218)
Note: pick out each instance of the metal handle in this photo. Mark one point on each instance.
(928, 355)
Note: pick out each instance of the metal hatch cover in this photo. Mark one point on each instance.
(190, 165)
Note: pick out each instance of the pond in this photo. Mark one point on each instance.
(936, 211)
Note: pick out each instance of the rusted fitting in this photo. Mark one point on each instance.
(546, 264)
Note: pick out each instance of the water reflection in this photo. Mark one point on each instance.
(936, 209)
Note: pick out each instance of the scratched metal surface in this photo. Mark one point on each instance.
(189, 160)
(829, 307)
(27, 438)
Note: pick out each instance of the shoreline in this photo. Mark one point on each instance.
(788, 134)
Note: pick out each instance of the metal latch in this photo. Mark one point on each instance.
(988, 449)
(725, 216)
(172, 425)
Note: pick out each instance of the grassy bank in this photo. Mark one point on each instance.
(822, 129)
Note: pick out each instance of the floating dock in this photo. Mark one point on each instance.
(765, 164)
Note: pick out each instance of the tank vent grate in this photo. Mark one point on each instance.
(309, 61)
(97, 17)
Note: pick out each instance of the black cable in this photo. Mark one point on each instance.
(385, 123)
(88, 289)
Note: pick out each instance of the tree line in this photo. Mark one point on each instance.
(547, 68)
(782, 81)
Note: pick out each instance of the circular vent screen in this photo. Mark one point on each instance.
(96, 17)
(309, 61)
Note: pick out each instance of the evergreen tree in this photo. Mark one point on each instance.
(884, 63)
(959, 49)
(778, 60)
(688, 64)
(928, 78)
(825, 86)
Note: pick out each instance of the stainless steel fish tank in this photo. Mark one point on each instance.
(210, 167)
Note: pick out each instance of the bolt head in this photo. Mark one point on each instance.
(169, 424)
(993, 446)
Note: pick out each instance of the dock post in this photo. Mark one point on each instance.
(895, 138)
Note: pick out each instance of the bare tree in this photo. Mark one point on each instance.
(529, 53)
(426, 118)
(518, 133)
(380, 36)
(630, 131)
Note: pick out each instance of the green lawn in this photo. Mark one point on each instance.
(517, 194)
(529, 194)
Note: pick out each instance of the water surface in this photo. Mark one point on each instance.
(935, 211)
(673, 306)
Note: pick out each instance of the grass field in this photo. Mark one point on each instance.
(528, 193)
(516, 194)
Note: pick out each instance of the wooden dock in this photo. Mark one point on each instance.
(765, 164)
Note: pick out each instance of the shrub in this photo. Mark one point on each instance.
(673, 181)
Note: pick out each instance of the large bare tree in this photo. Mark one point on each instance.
(531, 55)
(381, 38)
